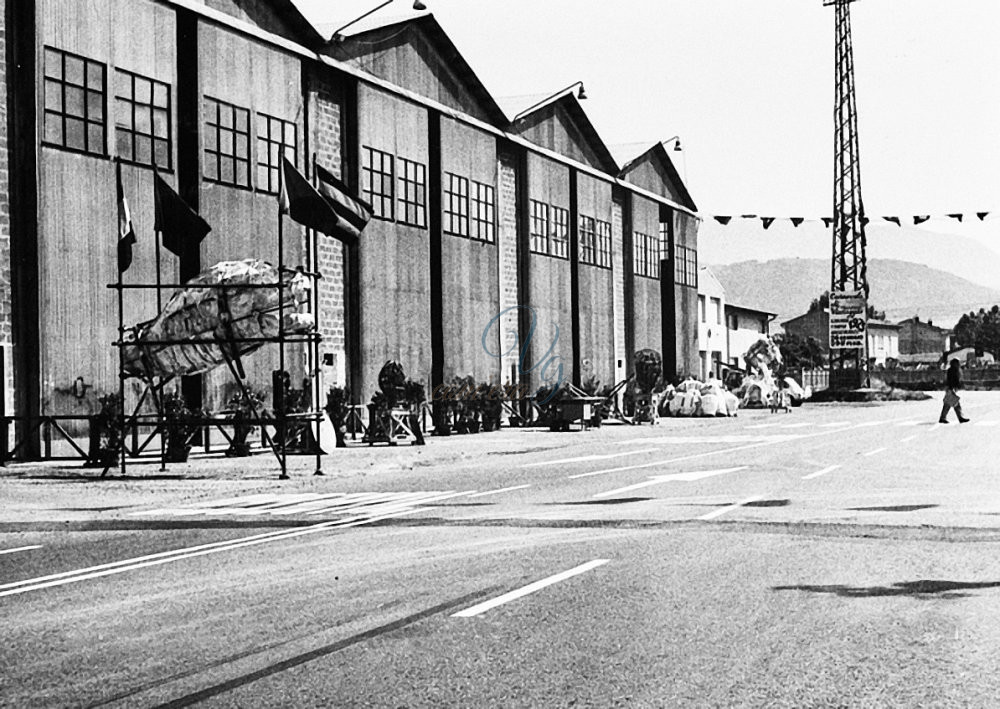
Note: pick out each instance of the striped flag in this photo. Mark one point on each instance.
(126, 233)
(353, 211)
(331, 209)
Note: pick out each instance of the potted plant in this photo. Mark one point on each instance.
(338, 408)
(244, 406)
(182, 424)
(491, 403)
(106, 435)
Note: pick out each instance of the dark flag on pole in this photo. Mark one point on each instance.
(126, 233)
(179, 225)
(331, 209)
(353, 211)
(894, 220)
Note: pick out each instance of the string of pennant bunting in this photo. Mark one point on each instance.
(827, 221)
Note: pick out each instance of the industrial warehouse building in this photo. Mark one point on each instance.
(505, 244)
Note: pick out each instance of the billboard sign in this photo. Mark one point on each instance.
(848, 320)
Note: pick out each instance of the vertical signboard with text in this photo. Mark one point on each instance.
(848, 320)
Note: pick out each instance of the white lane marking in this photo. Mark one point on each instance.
(986, 423)
(119, 567)
(835, 423)
(503, 489)
(907, 439)
(730, 508)
(16, 549)
(779, 438)
(763, 425)
(695, 456)
(914, 422)
(867, 424)
(874, 452)
(936, 426)
(676, 477)
(589, 457)
(530, 588)
(824, 471)
(355, 503)
(402, 504)
(795, 425)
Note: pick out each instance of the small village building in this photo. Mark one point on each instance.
(883, 342)
(713, 335)
(918, 337)
(744, 327)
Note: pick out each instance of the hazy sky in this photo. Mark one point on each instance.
(748, 85)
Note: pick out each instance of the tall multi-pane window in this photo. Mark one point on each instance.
(646, 255)
(275, 137)
(595, 242)
(685, 266)
(603, 232)
(376, 181)
(412, 193)
(539, 227)
(227, 143)
(483, 212)
(559, 234)
(587, 240)
(75, 90)
(142, 119)
(456, 205)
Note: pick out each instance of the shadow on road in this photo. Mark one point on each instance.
(893, 508)
(924, 588)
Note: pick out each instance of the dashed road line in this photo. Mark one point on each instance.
(729, 508)
(530, 588)
(17, 549)
(986, 423)
(874, 452)
(675, 477)
(824, 471)
(907, 439)
(834, 424)
(585, 458)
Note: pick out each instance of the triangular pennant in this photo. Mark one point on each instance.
(723, 220)
(797, 220)
(827, 221)
(956, 216)
(748, 216)
(894, 220)
(981, 215)
(767, 221)
(921, 219)
(865, 221)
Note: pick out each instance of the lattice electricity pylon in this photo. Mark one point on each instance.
(848, 367)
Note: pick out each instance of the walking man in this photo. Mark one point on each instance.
(951, 398)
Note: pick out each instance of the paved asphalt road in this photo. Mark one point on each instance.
(835, 556)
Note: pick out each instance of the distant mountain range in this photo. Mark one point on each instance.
(902, 289)
(745, 240)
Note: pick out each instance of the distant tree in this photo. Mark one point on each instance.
(799, 352)
(823, 302)
(979, 330)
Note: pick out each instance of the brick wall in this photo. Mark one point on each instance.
(326, 143)
(618, 299)
(6, 314)
(507, 243)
